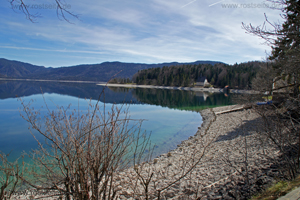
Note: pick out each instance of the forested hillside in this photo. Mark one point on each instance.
(219, 75)
(92, 72)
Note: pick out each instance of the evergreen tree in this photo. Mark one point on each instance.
(284, 40)
(285, 52)
(212, 81)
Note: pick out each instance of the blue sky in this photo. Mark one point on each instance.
(139, 31)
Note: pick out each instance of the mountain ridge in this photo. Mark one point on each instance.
(92, 72)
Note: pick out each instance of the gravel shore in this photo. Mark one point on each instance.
(226, 159)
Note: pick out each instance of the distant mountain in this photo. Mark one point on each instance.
(93, 72)
(16, 69)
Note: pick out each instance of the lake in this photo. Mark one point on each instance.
(169, 115)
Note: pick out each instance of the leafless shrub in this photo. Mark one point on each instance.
(281, 127)
(10, 173)
(264, 79)
(171, 173)
(83, 153)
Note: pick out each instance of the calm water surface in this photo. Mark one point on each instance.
(170, 115)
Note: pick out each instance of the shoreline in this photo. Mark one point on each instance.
(211, 90)
(220, 174)
(197, 89)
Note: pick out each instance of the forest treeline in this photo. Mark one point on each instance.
(219, 75)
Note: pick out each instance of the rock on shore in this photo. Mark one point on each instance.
(228, 159)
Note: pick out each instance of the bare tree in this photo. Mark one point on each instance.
(281, 129)
(62, 9)
(83, 152)
(269, 31)
(264, 80)
(170, 174)
(281, 120)
(10, 176)
(285, 41)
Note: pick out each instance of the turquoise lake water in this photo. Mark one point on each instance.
(169, 115)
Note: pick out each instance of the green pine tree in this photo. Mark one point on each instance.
(286, 50)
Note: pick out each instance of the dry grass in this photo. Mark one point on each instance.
(278, 189)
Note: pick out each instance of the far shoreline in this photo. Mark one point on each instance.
(197, 89)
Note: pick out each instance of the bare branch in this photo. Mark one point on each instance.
(62, 10)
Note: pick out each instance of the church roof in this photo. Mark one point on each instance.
(201, 79)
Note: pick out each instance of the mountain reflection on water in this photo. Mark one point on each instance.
(177, 99)
(168, 127)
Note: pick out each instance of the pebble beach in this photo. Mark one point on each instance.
(230, 158)
(226, 159)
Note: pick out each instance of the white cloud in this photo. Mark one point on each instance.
(51, 50)
(150, 31)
